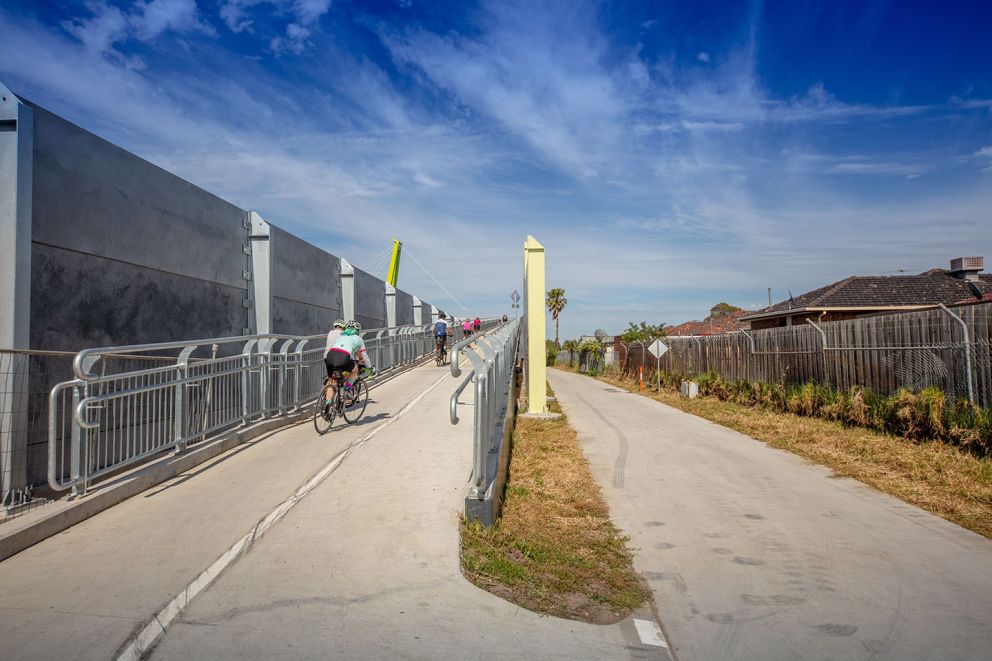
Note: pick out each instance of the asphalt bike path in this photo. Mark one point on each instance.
(367, 567)
(755, 553)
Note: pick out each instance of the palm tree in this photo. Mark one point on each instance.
(556, 302)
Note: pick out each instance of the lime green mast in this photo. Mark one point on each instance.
(394, 263)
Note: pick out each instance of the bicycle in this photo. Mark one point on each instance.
(348, 403)
(441, 351)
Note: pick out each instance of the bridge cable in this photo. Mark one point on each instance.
(436, 281)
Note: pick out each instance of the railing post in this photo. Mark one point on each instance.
(967, 350)
(182, 372)
(823, 349)
(246, 381)
(76, 446)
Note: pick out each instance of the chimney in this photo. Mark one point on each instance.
(967, 268)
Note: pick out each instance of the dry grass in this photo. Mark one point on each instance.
(555, 550)
(935, 476)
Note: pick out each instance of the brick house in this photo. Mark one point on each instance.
(727, 323)
(858, 296)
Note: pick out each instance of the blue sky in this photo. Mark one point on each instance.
(670, 155)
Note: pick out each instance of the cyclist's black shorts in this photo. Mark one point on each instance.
(338, 360)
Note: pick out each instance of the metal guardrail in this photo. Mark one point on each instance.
(492, 356)
(109, 417)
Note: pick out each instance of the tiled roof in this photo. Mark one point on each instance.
(725, 324)
(882, 291)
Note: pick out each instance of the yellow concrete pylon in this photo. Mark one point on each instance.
(534, 313)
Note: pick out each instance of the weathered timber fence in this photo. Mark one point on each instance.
(939, 347)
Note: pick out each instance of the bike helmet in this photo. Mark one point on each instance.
(354, 325)
(340, 323)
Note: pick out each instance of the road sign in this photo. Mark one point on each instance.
(658, 348)
(515, 296)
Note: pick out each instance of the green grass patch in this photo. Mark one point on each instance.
(555, 550)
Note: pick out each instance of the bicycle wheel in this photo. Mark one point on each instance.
(438, 356)
(354, 403)
(323, 415)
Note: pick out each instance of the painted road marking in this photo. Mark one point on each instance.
(650, 633)
(158, 625)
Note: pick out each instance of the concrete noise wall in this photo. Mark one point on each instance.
(404, 308)
(370, 300)
(123, 252)
(305, 284)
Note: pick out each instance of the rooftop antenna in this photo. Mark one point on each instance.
(769, 297)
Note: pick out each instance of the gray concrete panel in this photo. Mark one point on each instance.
(80, 300)
(404, 308)
(370, 300)
(305, 285)
(94, 197)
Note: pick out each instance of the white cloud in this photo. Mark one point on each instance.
(147, 20)
(306, 14)
(703, 57)
(99, 33)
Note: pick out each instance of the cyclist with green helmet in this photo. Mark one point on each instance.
(346, 353)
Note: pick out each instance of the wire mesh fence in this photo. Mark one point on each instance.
(941, 348)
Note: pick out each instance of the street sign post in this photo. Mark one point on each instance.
(658, 349)
(515, 297)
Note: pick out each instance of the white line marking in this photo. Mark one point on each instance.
(160, 622)
(650, 633)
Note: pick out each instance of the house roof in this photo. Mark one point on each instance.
(875, 292)
(723, 324)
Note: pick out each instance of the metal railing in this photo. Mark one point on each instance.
(110, 417)
(492, 355)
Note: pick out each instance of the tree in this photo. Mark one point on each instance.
(556, 302)
(570, 345)
(643, 332)
(722, 310)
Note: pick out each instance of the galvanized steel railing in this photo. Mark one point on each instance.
(492, 355)
(110, 417)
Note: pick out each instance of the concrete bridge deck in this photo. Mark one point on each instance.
(364, 566)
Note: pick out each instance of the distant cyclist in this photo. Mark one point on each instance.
(476, 325)
(441, 331)
(467, 328)
(348, 351)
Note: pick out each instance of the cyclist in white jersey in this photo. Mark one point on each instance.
(347, 352)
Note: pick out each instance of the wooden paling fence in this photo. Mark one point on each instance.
(944, 348)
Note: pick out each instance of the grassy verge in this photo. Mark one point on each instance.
(940, 478)
(555, 550)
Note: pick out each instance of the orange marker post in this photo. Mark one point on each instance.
(640, 375)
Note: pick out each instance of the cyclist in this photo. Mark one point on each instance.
(467, 328)
(347, 352)
(332, 337)
(476, 324)
(441, 332)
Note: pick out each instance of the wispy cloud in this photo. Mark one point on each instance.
(108, 25)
